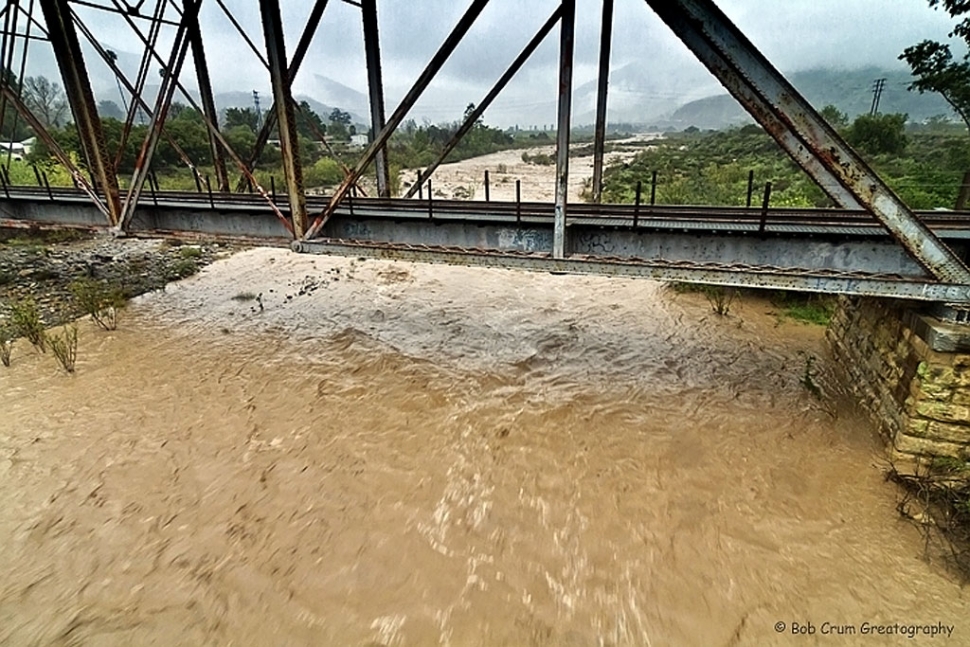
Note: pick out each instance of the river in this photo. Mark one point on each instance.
(379, 453)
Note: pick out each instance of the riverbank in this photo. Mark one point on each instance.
(43, 265)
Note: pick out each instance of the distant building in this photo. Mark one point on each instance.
(17, 150)
(358, 141)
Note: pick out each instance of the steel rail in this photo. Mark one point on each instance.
(666, 217)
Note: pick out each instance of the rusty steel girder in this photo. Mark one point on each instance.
(289, 145)
(77, 86)
(603, 84)
(801, 131)
(375, 85)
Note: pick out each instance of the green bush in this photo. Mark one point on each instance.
(98, 299)
(6, 343)
(64, 347)
(182, 269)
(324, 172)
(27, 323)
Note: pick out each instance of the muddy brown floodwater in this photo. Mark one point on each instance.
(393, 454)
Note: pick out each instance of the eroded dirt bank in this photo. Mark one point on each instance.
(381, 453)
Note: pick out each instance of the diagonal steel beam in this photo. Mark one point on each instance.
(380, 139)
(213, 128)
(162, 103)
(801, 131)
(67, 51)
(375, 84)
(289, 146)
(473, 118)
(52, 145)
(135, 96)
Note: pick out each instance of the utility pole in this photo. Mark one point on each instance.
(879, 85)
(259, 113)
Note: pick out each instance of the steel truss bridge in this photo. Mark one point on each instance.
(873, 244)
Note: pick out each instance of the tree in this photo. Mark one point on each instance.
(246, 117)
(340, 127)
(936, 70)
(338, 116)
(46, 100)
(835, 117)
(308, 123)
(878, 134)
(13, 128)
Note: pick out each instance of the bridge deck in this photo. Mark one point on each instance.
(818, 250)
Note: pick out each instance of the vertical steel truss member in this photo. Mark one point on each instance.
(487, 101)
(567, 33)
(380, 140)
(208, 103)
(799, 129)
(67, 50)
(162, 103)
(289, 147)
(375, 82)
(313, 21)
(599, 143)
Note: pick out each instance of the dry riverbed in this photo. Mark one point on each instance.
(466, 179)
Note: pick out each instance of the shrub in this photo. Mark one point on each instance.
(27, 323)
(182, 269)
(6, 344)
(720, 299)
(324, 172)
(64, 347)
(99, 300)
(190, 252)
(540, 159)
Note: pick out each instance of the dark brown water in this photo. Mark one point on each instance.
(417, 455)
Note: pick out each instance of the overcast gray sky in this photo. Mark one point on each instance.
(794, 34)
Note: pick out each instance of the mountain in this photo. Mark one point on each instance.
(337, 94)
(641, 93)
(848, 90)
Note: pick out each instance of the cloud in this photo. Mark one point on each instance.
(795, 35)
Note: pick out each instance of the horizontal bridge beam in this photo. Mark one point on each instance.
(709, 274)
(669, 240)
